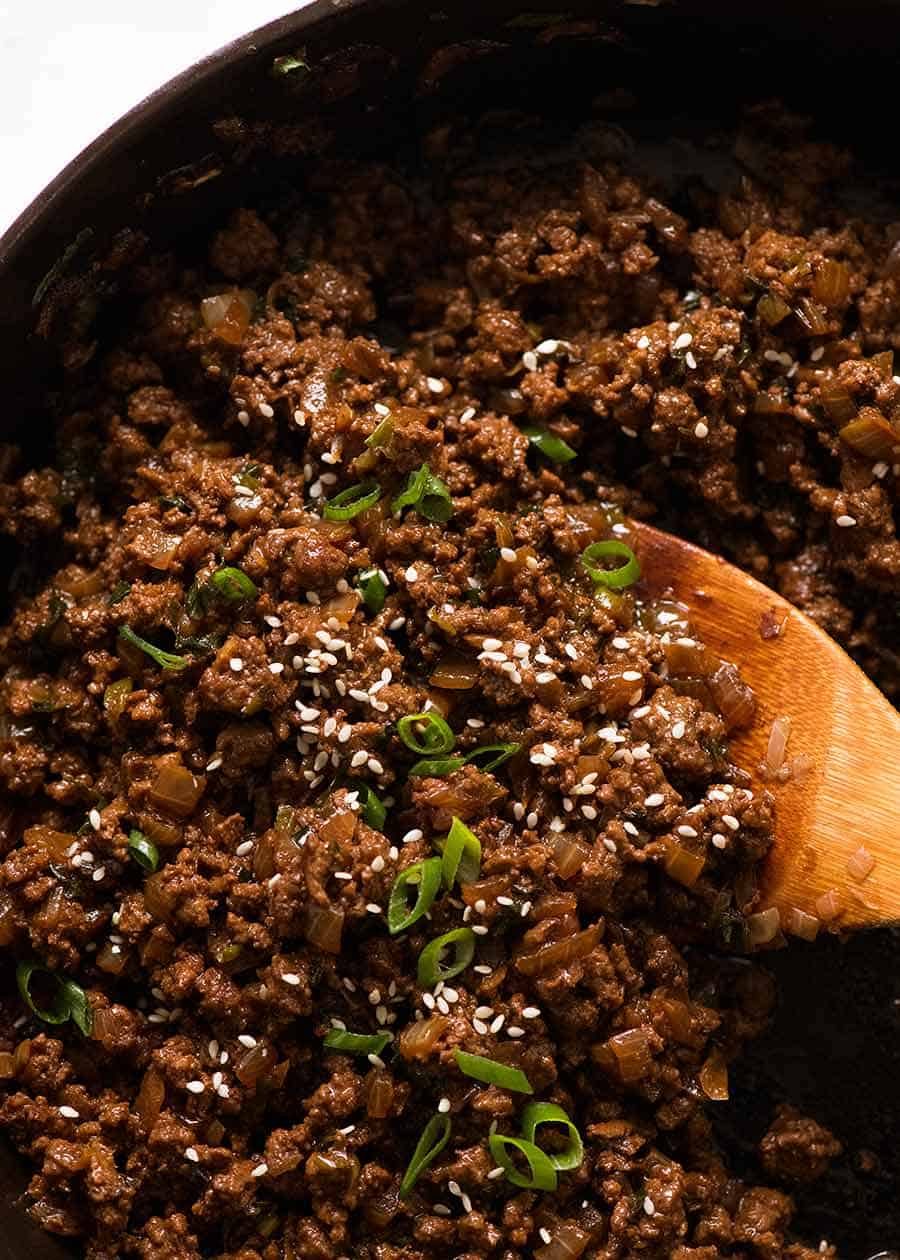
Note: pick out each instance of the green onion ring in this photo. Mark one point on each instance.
(548, 1113)
(549, 445)
(435, 1137)
(233, 585)
(427, 876)
(460, 855)
(352, 501)
(436, 736)
(543, 1174)
(373, 590)
(165, 660)
(356, 1043)
(615, 579)
(490, 1072)
(431, 969)
(142, 850)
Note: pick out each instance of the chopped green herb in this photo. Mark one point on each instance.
(356, 1043)
(371, 808)
(373, 590)
(541, 1173)
(549, 445)
(490, 1072)
(423, 876)
(142, 850)
(536, 1114)
(291, 63)
(615, 579)
(68, 1000)
(426, 733)
(460, 856)
(427, 494)
(165, 660)
(352, 501)
(431, 967)
(118, 593)
(381, 434)
(435, 1137)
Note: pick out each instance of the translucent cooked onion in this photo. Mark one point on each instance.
(714, 1077)
(871, 435)
(379, 1094)
(682, 865)
(107, 1024)
(150, 1098)
(158, 899)
(772, 309)
(7, 1065)
(831, 283)
(631, 1051)
(812, 316)
(339, 828)
(111, 959)
(324, 928)
(763, 926)
(227, 315)
(799, 923)
(341, 606)
(860, 865)
(56, 843)
(686, 657)
(777, 746)
(883, 362)
(175, 790)
(571, 855)
(567, 1242)
(733, 697)
(455, 674)
(7, 920)
(251, 1066)
(419, 1039)
(559, 953)
(837, 402)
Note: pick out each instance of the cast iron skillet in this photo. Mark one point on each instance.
(379, 72)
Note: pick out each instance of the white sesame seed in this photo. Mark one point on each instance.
(236, 664)
(817, 354)
(377, 863)
(191, 1154)
(276, 667)
(479, 929)
(373, 908)
(515, 1032)
(688, 832)
(375, 765)
(845, 521)
(631, 675)
(497, 1024)
(491, 645)
(654, 799)
(546, 1236)
(434, 385)
(195, 1087)
(494, 1174)
(291, 978)
(94, 819)
(730, 821)
(649, 1207)
(266, 410)
(719, 841)
(609, 845)
(701, 429)
(643, 343)
(214, 764)
(683, 341)
(376, 1060)
(69, 1112)
(260, 1170)
(98, 874)
(412, 836)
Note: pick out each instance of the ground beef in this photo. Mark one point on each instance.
(235, 709)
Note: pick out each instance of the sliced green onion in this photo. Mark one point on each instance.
(542, 1174)
(233, 585)
(435, 1137)
(165, 660)
(79, 1006)
(371, 808)
(144, 851)
(432, 968)
(435, 767)
(426, 733)
(548, 1113)
(490, 1072)
(118, 593)
(616, 579)
(381, 434)
(352, 501)
(373, 590)
(58, 1011)
(356, 1043)
(288, 65)
(426, 876)
(427, 494)
(460, 855)
(69, 999)
(553, 447)
(491, 756)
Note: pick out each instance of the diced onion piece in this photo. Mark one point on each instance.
(831, 283)
(379, 1094)
(733, 697)
(107, 1025)
(631, 1050)
(686, 657)
(324, 927)
(175, 790)
(837, 402)
(7, 1065)
(568, 1242)
(340, 828)
(772, 309)
(714, 1077)
(812, 316)
(829, 905)
(799, 923)
(56, 843)
(763, 926)
(883, 362)
(559, 953)
(777, 746)
(678, 1018)
(682, 865)
(159, 900)
(151, 1095)
(111, 959)
(871, 435)
(419, 1039)
(455, 673)
(228, 315)
(861, 865)
(571, 855)
(258, 1060)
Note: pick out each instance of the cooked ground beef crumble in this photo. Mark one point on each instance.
(209, 786)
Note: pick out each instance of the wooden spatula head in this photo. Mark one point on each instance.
(849, 798)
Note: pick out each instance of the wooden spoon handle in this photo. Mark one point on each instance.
(851, 797)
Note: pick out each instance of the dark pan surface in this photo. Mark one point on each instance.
(380, 72)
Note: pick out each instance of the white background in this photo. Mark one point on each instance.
(69, 68)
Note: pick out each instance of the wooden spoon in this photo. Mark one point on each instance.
(850, 798)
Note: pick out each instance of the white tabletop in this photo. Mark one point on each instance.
(68, 70)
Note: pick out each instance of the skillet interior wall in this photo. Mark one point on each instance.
(688, 69)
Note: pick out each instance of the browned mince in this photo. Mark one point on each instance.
(727, 368)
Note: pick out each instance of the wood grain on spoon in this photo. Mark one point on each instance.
(839, 719)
